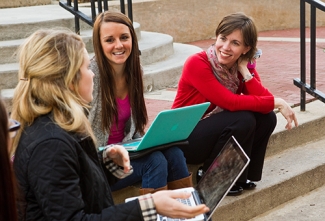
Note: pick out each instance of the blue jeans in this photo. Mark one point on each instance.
(156, 169)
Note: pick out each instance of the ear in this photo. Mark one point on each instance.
(71, 87)
(247, 49)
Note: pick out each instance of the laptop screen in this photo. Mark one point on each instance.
(222, 174)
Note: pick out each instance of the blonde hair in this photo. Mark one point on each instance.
(49, 63)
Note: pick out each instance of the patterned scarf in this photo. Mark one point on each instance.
(227, 77)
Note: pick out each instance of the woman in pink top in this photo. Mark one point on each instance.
(118, 112)
(240, 104)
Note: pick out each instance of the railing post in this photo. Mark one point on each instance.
(76, 19)
(93, 10)
(302, 54)
(313, 47)
(122, 5)
(130, 10)
(99, 6)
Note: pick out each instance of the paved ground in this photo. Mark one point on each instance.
(278, 66)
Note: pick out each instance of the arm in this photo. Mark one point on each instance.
(55, 182)
(96, 107)
(282, 105)
(198, 74)
(286, 112)
(116, 159)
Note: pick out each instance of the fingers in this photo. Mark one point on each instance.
(185, 211)
(120, 156)
(289, 115)
(166, 204)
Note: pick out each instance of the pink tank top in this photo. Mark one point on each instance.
(124, 113)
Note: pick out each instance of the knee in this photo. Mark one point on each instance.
(246, 124)
(157, 160)
(270, 119)
(174, 154)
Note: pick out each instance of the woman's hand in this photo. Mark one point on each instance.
(120, 156)
(243, 70)
(287, 112)
(167, 205)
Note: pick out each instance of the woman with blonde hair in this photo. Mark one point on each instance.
(59, 172)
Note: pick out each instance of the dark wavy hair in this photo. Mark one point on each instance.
(239, 21)
(133, 79)
(8, 209)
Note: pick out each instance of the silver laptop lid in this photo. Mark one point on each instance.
(222, 175)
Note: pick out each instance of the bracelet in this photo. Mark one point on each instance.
(245, 79)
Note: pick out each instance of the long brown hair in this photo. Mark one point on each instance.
(8, 209)
(133, 78)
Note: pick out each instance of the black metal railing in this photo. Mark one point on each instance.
(102, 5)
(301, 83)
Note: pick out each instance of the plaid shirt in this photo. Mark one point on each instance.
(147, 205)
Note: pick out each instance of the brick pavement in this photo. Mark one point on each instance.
(278, 65)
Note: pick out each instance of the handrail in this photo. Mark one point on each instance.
(102, 5)
(301, 83)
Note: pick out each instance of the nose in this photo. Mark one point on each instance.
(226, 45)
(118, 44)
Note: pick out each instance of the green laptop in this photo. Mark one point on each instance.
(169, 126)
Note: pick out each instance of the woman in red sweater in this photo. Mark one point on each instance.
(240, 105)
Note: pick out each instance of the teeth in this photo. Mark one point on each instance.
(223, 54)
(118, 53)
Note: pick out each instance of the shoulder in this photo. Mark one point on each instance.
(197, 56)
(44, 132)
(196, 63)
(197, 59)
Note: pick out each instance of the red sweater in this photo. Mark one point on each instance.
(198, 84)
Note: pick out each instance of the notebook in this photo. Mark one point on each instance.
(169, 126)
(217, 180)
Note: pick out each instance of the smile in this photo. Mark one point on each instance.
(119, 53)
(224, 54)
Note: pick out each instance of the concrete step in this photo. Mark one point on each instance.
(166, 73)
(286, 176)
(155, 47)
(8, 48)
(18, 23)
(8, 75)
(303, 208)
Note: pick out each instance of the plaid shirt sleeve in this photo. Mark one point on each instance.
(115, 169)
(148, 207)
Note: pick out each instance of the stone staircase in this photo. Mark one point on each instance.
(295, 163)
(162, 59)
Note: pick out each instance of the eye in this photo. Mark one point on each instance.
(125, 37)
(109, 40)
